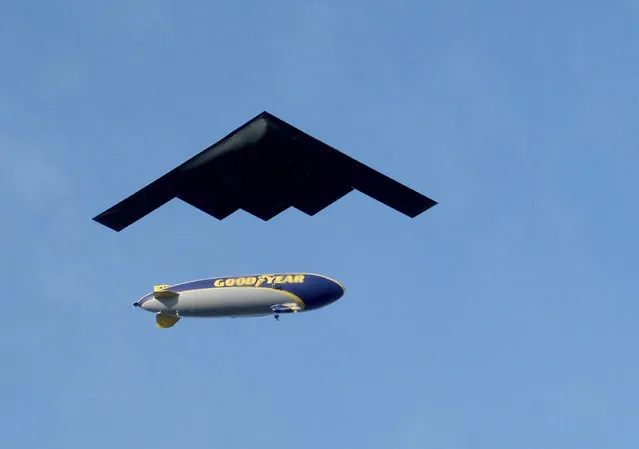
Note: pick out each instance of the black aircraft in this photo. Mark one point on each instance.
(264, 167)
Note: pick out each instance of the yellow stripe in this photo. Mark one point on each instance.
(296, 299)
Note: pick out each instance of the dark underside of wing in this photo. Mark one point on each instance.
(265, 167)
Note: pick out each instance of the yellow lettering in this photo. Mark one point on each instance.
(257, 281)
(251, 280)
(269, 279)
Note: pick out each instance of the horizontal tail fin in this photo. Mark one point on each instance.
(162, 291)
(164, 321)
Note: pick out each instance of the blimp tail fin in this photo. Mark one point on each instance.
(164, 321)
(162, 291)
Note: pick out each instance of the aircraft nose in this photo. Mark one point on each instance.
(319, 291)
(336, 290)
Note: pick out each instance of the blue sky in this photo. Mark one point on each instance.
(505, 317)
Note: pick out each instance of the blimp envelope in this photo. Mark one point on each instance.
(241, 297)
(264, 167)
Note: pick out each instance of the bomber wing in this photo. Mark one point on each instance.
(264, 167)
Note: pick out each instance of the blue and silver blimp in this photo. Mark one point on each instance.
(241, 296)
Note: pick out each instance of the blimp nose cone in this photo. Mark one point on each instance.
(330, 292)
(336, 290)
(318, 291)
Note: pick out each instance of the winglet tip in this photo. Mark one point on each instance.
(430, 203)
(101, 220)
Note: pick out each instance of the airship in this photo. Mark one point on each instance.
(240, 296)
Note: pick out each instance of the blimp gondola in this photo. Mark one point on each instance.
(240, 296)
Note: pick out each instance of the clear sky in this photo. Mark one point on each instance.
(505, 317)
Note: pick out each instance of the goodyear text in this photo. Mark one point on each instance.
(256, 281)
